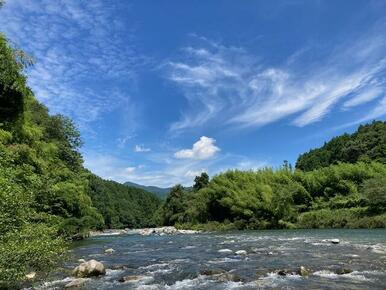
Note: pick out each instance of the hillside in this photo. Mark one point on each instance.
(368, 143)
(47, 197)
(158, 191)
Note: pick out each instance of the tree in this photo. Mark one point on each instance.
(201, 181)
(374, 191)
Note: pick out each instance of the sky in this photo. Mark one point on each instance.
(164, 90)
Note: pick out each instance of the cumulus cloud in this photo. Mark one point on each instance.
(201, 150)
(141, 148)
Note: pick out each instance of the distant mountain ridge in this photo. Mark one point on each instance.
(159, 191)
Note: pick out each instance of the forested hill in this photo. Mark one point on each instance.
(158, 191)
(368, 143)
(46, 195)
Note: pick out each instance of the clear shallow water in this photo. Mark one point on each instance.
(175, 262)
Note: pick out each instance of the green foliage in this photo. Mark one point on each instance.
(46, 196)
(267, 198)
(374, 191)
(201, 181)
(368, 143)
(122, 206)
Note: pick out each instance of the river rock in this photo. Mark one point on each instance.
(131, 278)
(76, 283)
(212, 272)
(225, 251)
(281, 272)
(109, 251)
(30, 276)
(303, 271)
(241, 252)
(89, 269)
(343, 271)
(335, 241)
(81, 260)
(225, 277)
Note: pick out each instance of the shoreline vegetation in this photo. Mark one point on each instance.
(48, 199)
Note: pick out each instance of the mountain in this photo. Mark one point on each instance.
(367, 144)
(158, 191)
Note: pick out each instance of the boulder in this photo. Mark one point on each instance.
(335, 241)
(225, 251)
(30, 276)
(76, 283)
(130, 278)
(81, 260)
(89, 269)
(241, 252)
(281, 272)
(109, 251)
(343, 271)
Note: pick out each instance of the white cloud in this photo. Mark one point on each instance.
(81, 51)
(141, 148)
(202, 149)
(363, 97)
(229, 86)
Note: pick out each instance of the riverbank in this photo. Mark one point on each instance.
(161, 231)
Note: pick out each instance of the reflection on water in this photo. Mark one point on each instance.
(180, 262)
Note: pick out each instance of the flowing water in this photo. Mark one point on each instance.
(175, 262)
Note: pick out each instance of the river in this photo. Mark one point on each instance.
(179, 261)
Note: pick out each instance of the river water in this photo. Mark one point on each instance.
(178, 261)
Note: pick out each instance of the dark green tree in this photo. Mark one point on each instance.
(201, 181)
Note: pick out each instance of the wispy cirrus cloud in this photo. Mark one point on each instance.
(141, 148)
(228, 85)
(81, 50)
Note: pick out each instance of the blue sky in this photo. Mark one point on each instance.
(163, 90)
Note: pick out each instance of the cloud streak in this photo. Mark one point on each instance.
(229, 86)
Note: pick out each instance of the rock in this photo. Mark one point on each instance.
(281, 272)
(30, 276)
(76, 283)
(241, 252)
(335, 241)
(212, 272)
(119, 267)
(343, 271)
(81, 260)
(270, 253)
(303, 271)
(130, 278)
(89, 269)
(109, 251)
(225, 251)
(225, 277)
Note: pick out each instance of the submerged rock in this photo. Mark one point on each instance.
(225, 277)
(76, 283)
(89, 269)
(131, 278)
(109, 251)
(335, 241)
(343, 271)
(212, 272)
